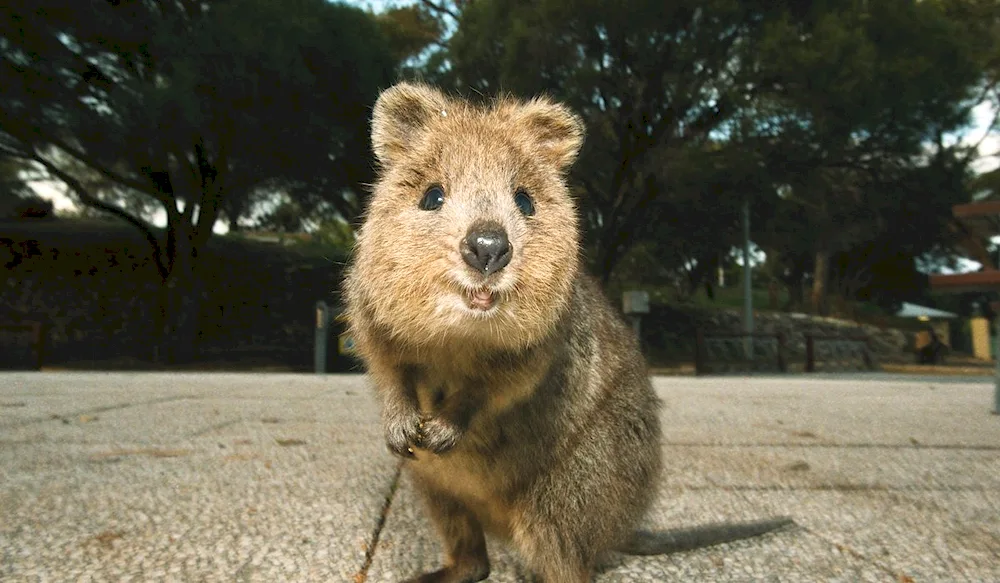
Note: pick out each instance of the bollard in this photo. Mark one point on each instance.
(322, 336)
(810, 353)
(700, 366)
(782, 365)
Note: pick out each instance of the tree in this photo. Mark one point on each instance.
(650, 81)
(978, 22)
(193, 106)
(912, 230)
(410, 30)
(867, 91)
(698, 214)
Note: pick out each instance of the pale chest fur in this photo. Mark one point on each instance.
(492, 382)
(474, 471)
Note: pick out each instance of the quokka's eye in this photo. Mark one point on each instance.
(433, 199)
(524, 203)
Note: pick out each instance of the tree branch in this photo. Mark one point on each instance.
(440, 8)
(987, 133)
(213, 188)
(87, 198)
(971, 243)
(9, 124)
(105, 171)
(88, 72)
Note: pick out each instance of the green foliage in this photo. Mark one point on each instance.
(986, 185)
(651, 81)
(978, 25)
(410, 30)
(696, 219)
(188, 104)
(867, 81)
(866, 93)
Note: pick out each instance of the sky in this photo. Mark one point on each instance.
(989, 150)
(375, 5)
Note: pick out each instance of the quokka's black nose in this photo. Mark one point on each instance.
(486, 248)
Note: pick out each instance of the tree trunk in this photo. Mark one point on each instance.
(792, 280)
(704, 266)
(772, 294)
(184, 286)
(180, 305)
(606, 259)
(820, 274)
(612, 244)
(184, 305)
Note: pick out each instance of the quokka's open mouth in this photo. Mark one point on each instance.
(480, 299)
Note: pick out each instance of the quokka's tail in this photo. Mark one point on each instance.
(686, 539)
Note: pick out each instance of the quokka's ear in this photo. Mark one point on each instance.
(402, 114)
(558, 131)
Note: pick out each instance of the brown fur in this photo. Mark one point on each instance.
(536, 422)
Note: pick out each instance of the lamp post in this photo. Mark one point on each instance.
(747, 282)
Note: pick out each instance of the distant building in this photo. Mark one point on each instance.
(937, 323)
(924, 313)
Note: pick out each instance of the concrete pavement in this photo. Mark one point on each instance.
(274, 477)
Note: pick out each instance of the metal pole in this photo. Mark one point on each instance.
(322, 337)
(747, 290)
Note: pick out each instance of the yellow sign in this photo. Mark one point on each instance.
(345, 344)
(345, 341)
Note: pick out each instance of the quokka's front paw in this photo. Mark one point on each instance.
(402, 433)
(438, 435)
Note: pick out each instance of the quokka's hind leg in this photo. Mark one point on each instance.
(552, 557)
(461, 534)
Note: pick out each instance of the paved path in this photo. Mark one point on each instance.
(274, 478)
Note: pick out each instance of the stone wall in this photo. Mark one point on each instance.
(669, 332)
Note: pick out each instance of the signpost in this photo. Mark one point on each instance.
(325, 318)
(322, 335)
(635, 304)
